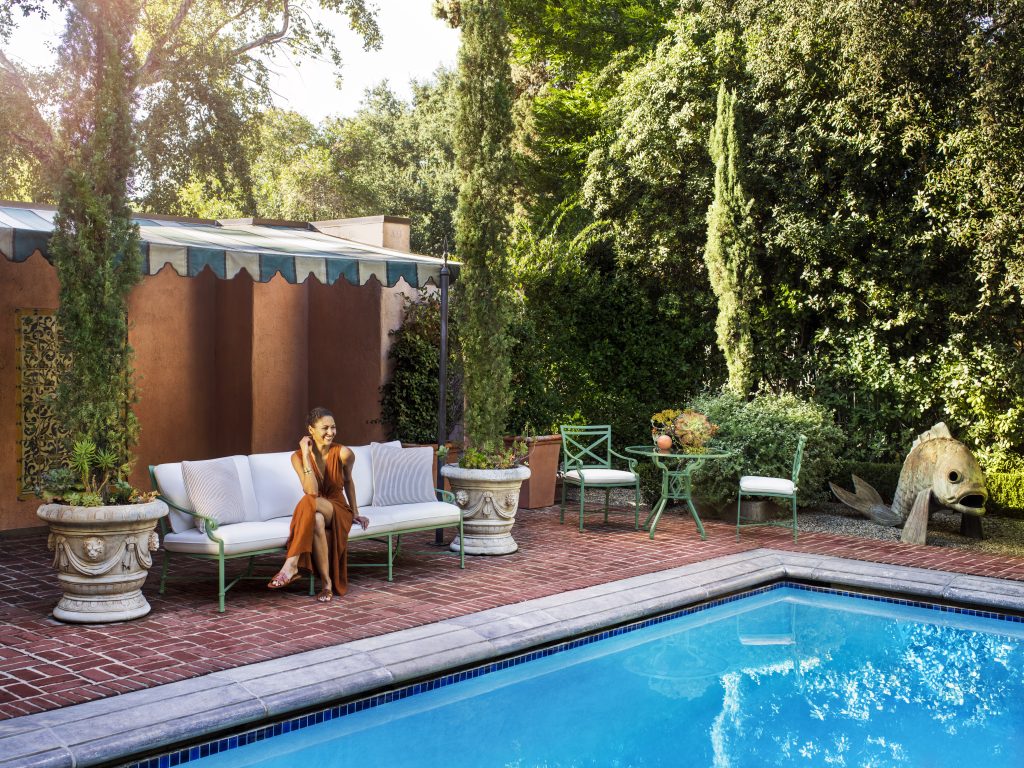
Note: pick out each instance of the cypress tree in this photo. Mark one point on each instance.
(95, 244)
(729, 253)
(484, 164)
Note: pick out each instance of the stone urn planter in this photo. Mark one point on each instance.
(489, 499)
(102, 557)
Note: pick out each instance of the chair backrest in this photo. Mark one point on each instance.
(584, 447)
(799, 457)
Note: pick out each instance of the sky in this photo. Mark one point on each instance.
(415, 45)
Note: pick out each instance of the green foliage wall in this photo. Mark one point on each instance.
(886, 258)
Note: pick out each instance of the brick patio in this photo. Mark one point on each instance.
(45, 664)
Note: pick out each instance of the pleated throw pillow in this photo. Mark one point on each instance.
(214, 490)
(402, 475)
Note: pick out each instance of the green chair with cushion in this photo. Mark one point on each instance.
(772, 487)
(587, 464)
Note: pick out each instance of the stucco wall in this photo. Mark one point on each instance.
(224, 366)
(31, 284)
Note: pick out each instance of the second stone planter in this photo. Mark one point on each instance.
(489, 499)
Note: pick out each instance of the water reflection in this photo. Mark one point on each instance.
(879, 692)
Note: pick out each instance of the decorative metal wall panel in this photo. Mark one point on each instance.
(39, 366)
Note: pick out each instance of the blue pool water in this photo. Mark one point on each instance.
(781, 678)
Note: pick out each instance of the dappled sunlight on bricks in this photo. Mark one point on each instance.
(45, 664)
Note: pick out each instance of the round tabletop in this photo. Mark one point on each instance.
(655, 452)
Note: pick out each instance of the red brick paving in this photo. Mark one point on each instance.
(45, 664)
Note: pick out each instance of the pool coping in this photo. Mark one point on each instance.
(118, 727)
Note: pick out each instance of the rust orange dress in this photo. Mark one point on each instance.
(300, 536)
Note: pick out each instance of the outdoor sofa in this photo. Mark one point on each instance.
(241, 506)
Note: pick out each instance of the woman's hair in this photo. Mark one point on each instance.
(316, 414)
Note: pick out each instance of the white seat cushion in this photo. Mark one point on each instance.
(402, 475)
(430, 514)
(754, 484)
(277, 486)
(238, 538)
(600, 476)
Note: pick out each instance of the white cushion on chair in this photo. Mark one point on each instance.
(600, 476)
(238, 538)
(754, 484)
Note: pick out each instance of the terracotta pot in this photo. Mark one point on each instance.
(543, 458)
(664, 442)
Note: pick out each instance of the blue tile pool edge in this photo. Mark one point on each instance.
(184, 755)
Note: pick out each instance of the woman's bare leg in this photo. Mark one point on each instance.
(324, 517)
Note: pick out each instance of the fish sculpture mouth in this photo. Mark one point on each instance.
(971, 503)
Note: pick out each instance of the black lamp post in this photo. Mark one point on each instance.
(442, 400)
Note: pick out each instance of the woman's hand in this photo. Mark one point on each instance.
(363, 521)
(306, 445)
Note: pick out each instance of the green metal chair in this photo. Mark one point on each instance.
(587, 463)
(774, 487)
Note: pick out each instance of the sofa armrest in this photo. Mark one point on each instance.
(445, 495)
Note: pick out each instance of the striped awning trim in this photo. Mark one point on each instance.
(226, 249)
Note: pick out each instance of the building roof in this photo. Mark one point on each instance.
(263, 249)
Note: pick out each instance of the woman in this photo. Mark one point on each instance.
(322, 519)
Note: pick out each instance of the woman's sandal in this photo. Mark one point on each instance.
(280, 581)
(325, 596)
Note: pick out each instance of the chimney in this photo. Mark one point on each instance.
(382, 231)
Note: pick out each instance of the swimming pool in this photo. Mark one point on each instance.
(785, 676)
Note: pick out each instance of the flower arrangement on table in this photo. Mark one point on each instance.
(688, 431)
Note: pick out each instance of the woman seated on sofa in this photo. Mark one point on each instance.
(323, 517)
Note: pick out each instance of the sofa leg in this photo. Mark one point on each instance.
(391, 557)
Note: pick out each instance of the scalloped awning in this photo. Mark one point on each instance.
(295, 251)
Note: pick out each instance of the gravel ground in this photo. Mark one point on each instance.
(1003, 535)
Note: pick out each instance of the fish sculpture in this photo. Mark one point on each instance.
(938, 473)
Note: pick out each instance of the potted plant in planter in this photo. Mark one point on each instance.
(101, 532)
(488, 478)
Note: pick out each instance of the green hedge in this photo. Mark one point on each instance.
(1005, 490)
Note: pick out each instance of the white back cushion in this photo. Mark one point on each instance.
(402, 475)
(362, 471)
(171, 485)
(277, 486)
(362, 474)
(214, 490)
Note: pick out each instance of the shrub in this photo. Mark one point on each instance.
(762, 435)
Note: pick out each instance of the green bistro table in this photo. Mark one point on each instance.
(676, 479)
